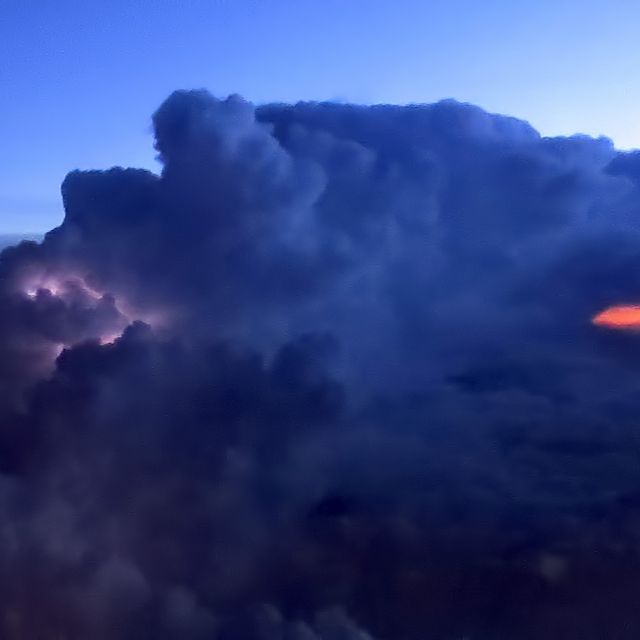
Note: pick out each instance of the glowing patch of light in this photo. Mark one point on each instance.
(619, 317)
(109, 338)
(60, 287)
(52, 287)
(66, 286)
(90, 291)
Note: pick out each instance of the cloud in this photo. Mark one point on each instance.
(330, 375)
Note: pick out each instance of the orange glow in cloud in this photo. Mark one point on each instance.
(619, 317)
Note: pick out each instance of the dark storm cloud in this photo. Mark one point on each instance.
(330, 375)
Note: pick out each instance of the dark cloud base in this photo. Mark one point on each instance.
(331, 375)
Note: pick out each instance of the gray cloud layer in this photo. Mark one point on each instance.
(331, 375)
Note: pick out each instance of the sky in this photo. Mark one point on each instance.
(80, 80)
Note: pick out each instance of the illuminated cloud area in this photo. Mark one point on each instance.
(619, 317)
(336, 373)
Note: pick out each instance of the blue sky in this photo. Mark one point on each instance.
(80, 80)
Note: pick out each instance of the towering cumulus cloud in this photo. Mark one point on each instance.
(331, 375)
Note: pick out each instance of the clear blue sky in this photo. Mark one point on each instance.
(80, 79)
